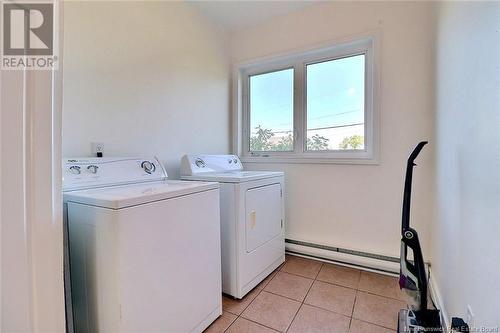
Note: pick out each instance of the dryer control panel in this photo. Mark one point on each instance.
(196, 164)
(83, 173)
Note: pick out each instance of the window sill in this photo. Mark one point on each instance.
(308, 160)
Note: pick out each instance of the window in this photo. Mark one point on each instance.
(271, 111)
(335, 104)
(316, 106)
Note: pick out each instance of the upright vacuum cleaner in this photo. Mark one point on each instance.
(412, 276)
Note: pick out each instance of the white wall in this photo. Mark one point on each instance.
(466, 236)
(359, 206)
(144, 78)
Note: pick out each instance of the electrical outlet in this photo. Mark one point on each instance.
(470, 317)
(97, 147)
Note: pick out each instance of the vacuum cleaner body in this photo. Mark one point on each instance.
(412, 276)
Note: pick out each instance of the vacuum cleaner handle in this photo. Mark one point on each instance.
(407, 190)
(416, 151)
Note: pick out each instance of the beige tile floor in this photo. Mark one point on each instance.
(305, 295)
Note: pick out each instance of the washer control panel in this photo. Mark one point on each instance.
(195, 164)
(82, 173)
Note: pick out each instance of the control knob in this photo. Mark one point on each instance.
(199, 163)
(148, 166)
(92, 168)
(75, 169)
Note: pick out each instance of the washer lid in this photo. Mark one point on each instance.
(234, 176)
(116, 197)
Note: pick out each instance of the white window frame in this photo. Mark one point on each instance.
(366, 45)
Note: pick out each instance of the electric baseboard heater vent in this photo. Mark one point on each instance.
(366, 260)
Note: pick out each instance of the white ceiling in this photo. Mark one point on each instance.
(236, 15)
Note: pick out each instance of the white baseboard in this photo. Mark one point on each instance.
(436, 296)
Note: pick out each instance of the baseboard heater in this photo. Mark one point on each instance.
(346, 257)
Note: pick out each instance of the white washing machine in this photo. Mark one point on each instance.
(144, 251)
(252, 218)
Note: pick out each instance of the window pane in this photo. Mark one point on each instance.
(271, 111)
(336, 104)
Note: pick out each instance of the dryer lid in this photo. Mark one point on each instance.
(234, 176)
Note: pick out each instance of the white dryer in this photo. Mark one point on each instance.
(252, 218)
(144, 251)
